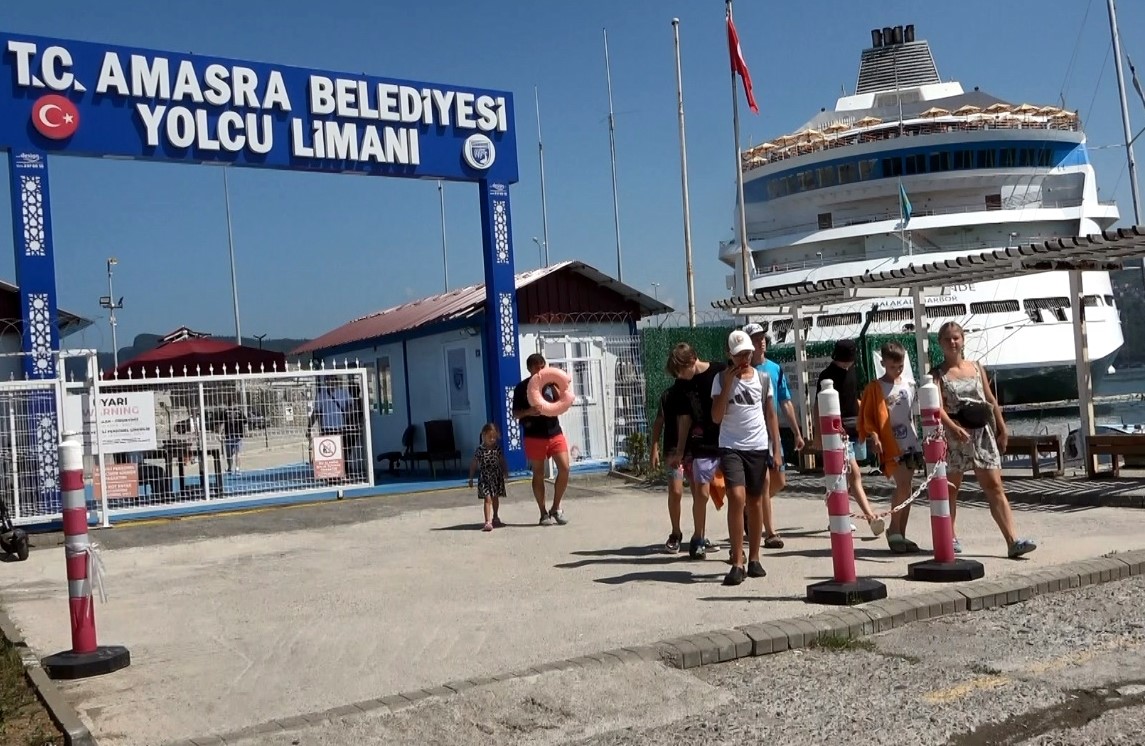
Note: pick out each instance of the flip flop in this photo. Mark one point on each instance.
(899, 544)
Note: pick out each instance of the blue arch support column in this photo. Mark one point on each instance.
(502, 338)
(36, 276)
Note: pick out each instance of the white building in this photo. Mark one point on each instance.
(426, 358)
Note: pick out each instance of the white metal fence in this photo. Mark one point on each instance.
(608, 383)
(165, 443)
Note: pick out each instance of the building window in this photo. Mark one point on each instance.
(1047, 303)
(945, 311)
(383, 390)
(892, 314)
(995, 306)
(840, 319)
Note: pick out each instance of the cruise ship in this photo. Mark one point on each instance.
(977, 172)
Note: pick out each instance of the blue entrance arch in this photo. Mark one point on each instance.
(73, 98)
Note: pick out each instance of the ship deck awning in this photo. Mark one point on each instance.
(1101, 252)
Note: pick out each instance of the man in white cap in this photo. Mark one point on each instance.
(743, 406)
(780, 392)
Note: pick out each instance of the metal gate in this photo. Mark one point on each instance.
(608, 385)
(169, 444)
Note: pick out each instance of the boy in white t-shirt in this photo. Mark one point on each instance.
(743, 406)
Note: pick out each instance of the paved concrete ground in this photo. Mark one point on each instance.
(1066, 669)
(234, 621)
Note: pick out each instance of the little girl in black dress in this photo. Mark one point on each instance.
(489, 465)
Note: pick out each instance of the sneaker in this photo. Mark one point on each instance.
(735, 575)
(755, 570)
(546, 520)
(696, 549)
(1020, 547)
(957, 546)
(498, 523)
(558, 516)
(673, 543)
(773, 542)
(488, 526)
(709, 546)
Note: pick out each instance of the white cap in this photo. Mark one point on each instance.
(739, 341)
(753, 329)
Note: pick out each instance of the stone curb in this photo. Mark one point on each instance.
(766, 638)
(62, 713)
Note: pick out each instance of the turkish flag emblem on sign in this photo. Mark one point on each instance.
(55, 117)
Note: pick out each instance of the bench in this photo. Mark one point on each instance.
(1113, 446)
(1033, 446)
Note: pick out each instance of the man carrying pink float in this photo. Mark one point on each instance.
(537, 401)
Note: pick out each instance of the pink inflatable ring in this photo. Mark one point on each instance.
(550, 391)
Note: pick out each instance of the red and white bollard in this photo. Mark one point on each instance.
(945, 567)
(86, 657)
(845, 588)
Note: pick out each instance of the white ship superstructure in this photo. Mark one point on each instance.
(978, 172)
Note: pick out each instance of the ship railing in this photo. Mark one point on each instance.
(875, 217)
(886, 253)
(758, 157)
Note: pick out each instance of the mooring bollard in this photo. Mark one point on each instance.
(944, 567)
(845, 588)
(86, 658)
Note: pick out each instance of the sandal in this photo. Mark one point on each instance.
(773, 541)
(899, 544)
(1020, 547)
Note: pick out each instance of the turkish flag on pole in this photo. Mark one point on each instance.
(739, 65)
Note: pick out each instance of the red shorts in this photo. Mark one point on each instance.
(539, 449)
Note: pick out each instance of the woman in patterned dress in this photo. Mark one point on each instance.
(489, 465)
(975, 434)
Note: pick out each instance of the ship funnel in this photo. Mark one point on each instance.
(876, 37)
(898, 35)
(908, 34)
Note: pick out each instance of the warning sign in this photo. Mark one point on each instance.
(122, 481)
(326, 457)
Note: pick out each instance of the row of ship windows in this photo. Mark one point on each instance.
(948, 311)
(834, 174)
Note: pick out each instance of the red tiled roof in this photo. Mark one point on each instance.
(456, 304)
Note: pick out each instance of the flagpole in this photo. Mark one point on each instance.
(684, 180)
(742, 223)
(902, 219)
(612, 150)
(541, 156)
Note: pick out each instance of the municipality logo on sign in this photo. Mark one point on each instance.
(479, 152)
(29, 160)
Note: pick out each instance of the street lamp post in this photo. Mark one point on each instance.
(260, 337)
(108, 301)
(656, 290)
(542, 251)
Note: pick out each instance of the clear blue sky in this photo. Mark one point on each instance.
(317, 250)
